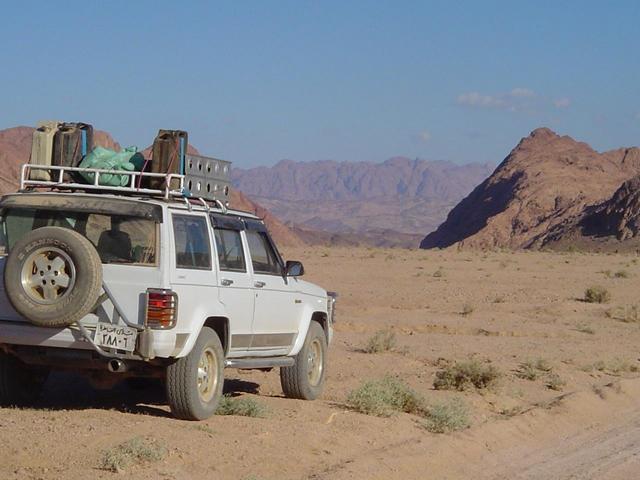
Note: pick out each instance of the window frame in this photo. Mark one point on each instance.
(264, 235)
(242, 249)
(202, 218)
(4, 238)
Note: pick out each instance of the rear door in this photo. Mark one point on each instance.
(235, 292)
(193, 277)
(277, 309)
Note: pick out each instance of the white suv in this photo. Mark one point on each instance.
(132, 286)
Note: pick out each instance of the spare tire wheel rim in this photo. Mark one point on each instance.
(315, 362)
(48, 275)
(207, 375)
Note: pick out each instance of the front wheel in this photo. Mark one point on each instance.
(194, 383)
(305, 379)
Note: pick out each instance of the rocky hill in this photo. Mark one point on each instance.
(613, 225)
(15, 148)
(546, 187)
(386, 204)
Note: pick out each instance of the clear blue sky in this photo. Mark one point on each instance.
(255, 82)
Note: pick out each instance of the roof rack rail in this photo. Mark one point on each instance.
(173, 186)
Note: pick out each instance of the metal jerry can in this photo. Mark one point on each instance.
(168, 154)
(42, 149)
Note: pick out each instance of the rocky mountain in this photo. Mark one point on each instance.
(547, 186)
(282, 234)
(387, 204)
(613, 225)
(15, 148)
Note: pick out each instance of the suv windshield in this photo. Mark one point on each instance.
(118, 239)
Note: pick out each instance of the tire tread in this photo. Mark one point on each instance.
(181, 387)
(294, 379)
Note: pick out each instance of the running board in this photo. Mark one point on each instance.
(257, 362)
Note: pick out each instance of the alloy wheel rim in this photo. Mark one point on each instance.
(315, 363)
(48, 275)
(207, 375)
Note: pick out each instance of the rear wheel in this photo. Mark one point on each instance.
(305, 379)
(194, 383)
(20, 384)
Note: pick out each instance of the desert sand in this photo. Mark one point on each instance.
(498, 308)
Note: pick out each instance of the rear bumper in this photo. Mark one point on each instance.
(22, 333)
(162, 343)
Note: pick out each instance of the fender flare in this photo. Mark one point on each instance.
(307, 318)
(204, 316)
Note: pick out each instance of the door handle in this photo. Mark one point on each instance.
(226, 282)
(259, 284)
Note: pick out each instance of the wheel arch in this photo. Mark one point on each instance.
(309, 316)
(321, 318)
(220, 325)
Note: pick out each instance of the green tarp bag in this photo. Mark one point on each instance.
(126, 160)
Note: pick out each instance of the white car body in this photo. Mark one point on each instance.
(266, 315)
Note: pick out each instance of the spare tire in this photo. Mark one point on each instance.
(53, 276)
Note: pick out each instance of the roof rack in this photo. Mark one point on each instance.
(173, 185)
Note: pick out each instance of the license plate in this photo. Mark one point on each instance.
(115, 336)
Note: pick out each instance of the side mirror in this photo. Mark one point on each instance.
(294, 269)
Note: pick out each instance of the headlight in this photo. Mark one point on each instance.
(331, 306)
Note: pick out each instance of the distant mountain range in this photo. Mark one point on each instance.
(387, 204)
(550, 191)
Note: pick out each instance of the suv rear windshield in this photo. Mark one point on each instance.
(118, 239)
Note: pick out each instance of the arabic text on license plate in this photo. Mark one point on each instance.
(115, 336)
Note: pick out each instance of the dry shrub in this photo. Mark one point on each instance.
(447, 417)
(381, 341)
(555, 382)
(626, 314)
(136, 450)
(241, 407)
(385, 397)
(467, 309)
(463, 375)
(597, 294)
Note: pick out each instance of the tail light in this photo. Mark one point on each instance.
(162, 309)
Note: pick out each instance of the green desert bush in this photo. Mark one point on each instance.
(385, 397)
(620, 365)
(584, 328)
(626, 314)
(446, 417)
(543, 365)
(241, 407)
(528, 371)
(615, 366)
(467, 309)
(462, 375)
(381, 341)
(597, 294)
(136, 450)
(555, 382)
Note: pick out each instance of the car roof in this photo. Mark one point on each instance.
(143, 206)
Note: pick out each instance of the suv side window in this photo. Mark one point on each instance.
(263, 257)
(192, 242)
(230, 251)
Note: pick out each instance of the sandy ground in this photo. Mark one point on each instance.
(523, 306)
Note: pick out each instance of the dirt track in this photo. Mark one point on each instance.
(524, 306)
